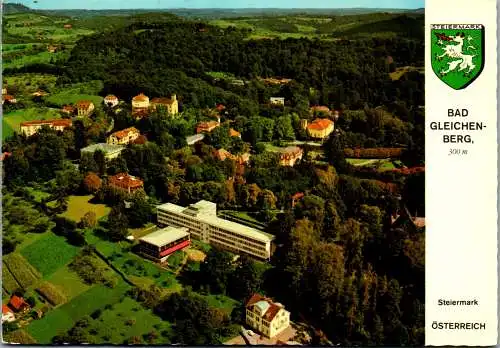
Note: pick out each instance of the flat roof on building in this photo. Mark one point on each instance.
(217, 221)
(106, 148)
(165, 235)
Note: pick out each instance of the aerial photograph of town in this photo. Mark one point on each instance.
(205, 172)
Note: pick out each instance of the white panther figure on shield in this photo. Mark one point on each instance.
(454, 51)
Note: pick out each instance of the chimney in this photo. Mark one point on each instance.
(174, 97)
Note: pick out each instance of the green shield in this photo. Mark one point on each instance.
(457, 53)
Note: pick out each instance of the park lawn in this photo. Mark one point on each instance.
(70, 97)
(386, 165)
(49, 253)
(61, 319)
(12, 120)
(68, 282)
(78, 206)
(222, 302)
(127, 319)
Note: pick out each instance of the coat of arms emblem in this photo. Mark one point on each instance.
(457, 53)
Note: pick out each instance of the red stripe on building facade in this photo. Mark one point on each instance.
(175, 248)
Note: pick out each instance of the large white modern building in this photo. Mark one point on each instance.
(203, 224)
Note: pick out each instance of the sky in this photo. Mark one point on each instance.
(164, 4)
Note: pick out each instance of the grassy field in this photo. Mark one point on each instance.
(12, 120)
(127, 319)
(222, 302)
(63, 318)
(49, 254)
(379, 164)
(78, 206)
(68, 282)
(21, 269)
(69, 97)
(38, 58)
(8, 282)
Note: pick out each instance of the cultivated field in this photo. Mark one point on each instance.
(49, 253)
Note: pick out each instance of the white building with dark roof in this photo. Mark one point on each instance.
(203, 223)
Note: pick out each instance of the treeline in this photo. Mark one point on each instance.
(161, 60)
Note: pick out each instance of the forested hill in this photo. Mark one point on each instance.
(163, 58)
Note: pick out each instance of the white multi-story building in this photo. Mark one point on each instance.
(203, 224)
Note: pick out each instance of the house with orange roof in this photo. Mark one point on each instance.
(9, 99)
(297, 197)
(266, 316)
(29, 128)
(234, 133)
(170, 104)
(111, 100)
(320, 128)
(18, 304)
(289, 155)
(140, 105)
(85, 107)
(125, 182)
(124, 136)
(68, 109)
(207, 127)
(7, 314)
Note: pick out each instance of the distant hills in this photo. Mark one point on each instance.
(12, 8)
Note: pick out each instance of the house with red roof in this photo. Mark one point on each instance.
(124, 136)
(170, 104)
(29, 128)
(85, 107)
(18, 304)
(266, 316)
(7, 314)
(125, 182)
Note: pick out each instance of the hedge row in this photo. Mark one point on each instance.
(376, 152)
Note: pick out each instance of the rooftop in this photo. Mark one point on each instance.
(267, 307)
(56, 122)
(83, 103)
(126, 181)
(140, 97)
(165, 236)
(320, 124)
(111, 97)
(203, 211)
(17, 302)
(193, 139)
(166, 101)
(125, 132)
(106, 148)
